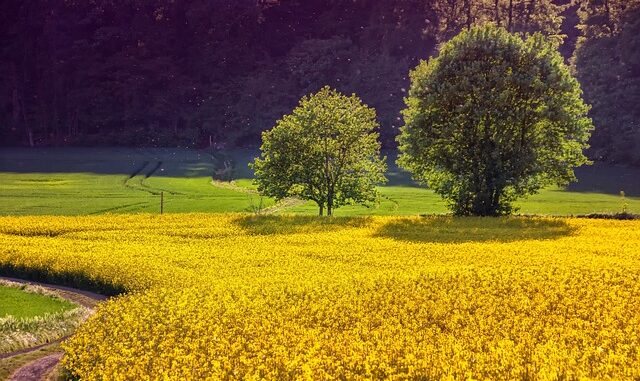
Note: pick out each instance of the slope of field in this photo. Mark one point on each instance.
(119, 180)
(242, 297)
(114, 180)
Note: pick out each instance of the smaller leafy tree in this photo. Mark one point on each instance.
(326, 150)
(493, 117)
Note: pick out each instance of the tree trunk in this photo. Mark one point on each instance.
(43, 115)
(321, 207)
(330, 196)
(27, 128)
(467, 6)
(495, 201)
(23, 109)
(74, 122)
(496, 10)
(510, 22)
(15, 106)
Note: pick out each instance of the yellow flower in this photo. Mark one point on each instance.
(209, 297)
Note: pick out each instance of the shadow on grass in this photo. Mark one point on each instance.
(272, 225)
(474, 229)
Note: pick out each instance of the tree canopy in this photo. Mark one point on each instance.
(326, 150)
(492, 118)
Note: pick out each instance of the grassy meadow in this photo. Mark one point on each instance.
(31, 315)
(72, 182)
(21, 304)
(119, 180)
(236, 296)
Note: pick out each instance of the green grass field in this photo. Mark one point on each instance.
(94, 181)
(120, 180)
(21, 304)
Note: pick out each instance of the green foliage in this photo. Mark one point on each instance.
(493, 118)
(326, 150)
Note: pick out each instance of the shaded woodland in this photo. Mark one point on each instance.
(197, 73)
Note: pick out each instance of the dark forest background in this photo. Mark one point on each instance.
(195, 73)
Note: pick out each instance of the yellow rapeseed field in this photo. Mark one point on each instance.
(243, 297)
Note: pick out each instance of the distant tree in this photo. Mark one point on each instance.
(544, 16)
(492, 118)
(607, 63)
(187, 73)
(314, 61)
(326, 150)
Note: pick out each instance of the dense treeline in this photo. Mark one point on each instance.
(200, 72)
(607, 63)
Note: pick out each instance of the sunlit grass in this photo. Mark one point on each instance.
(21, 304)
(95, 181)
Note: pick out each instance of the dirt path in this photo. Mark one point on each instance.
(37, 370)
(40, 368)
(84, 298)
(279, 206)
(283, 205)
(232, 186)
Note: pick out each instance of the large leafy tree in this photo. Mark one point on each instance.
(492, 118)
(326, 150)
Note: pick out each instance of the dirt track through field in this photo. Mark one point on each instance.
(40, 368)
(37, 370)
(281, 205)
